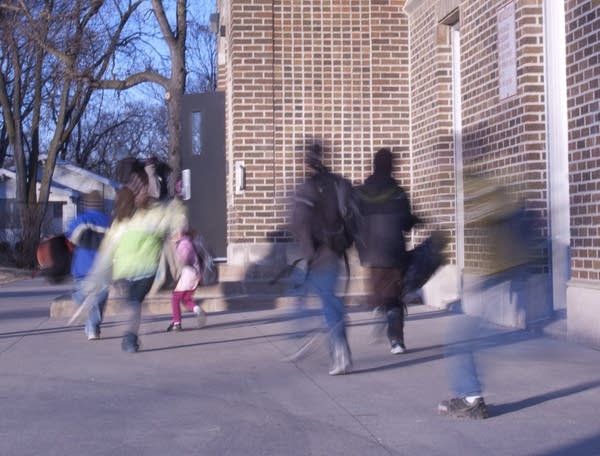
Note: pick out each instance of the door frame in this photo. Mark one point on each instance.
(458, 155)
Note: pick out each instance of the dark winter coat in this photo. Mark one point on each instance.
(308, 224)
(386, 216)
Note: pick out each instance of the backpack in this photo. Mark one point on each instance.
(54, 255)
(336, 217)
(208, 269)
(423, 261)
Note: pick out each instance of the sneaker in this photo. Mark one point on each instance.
(340, 369)
(459, 407)
(93, 336)
(130, 343)
(341, 362)
(174, 327)
(200, 316)
(397, 348)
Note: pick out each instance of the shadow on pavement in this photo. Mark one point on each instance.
(494, 340)
(212, 342)
(65, 329)
(585, 446)
(24, 313)
(39, 332)
(404, 363)
(511, 407)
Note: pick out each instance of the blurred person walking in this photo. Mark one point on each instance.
(386, 215)
(86, 232)
(508, 241)
(130, 252)
(189, 278)
(319, 227)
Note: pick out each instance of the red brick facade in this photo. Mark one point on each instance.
(361, 75)
(433, 183)
(334, 70)
(583, 90)
(503, 138)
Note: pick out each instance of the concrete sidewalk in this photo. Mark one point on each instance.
(227, 390)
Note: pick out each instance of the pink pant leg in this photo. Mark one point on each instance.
(176, 298)
(188, 299)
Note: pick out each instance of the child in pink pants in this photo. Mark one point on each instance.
(188, 282)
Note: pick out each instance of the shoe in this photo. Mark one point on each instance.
(174, 327)
(130, 343)
(340, 369)
(341, 362)
(93, 336)
(200, 316)
(397, 348)
(459, 407)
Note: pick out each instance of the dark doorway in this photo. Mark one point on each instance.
(203, 167)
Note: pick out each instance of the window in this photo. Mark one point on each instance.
(197, 133)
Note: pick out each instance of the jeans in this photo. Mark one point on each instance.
(322, 280)
(462, 370)
(385, 295)
(134, 292)
(97, 306)
(467, 335)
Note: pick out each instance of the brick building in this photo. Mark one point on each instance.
(509, 87)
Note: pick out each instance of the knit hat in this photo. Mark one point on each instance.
(93, 201)
(314, 155)
(382, 163)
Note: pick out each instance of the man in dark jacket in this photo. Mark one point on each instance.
(314, 223)
(386, 215)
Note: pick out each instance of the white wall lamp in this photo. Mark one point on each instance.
(240, 176)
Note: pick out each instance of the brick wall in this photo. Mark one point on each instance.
(505, 138)
(433, 189)
(336, 70)
(251, 109)
(361, 75)
(583, 92)
(340, 70)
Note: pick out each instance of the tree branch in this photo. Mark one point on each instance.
(163, 22)
(131, 81)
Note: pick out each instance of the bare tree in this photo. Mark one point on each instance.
(3, 143)
(106, 135)
(148, 128)
(57, 53)
(47, 46)
(174, 37)
(202, 58)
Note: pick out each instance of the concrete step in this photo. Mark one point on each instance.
(239, 288)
